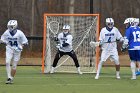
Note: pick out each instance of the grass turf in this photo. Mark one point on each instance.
(30, 80)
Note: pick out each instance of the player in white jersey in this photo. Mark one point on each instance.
(14, 40)
(65, 48)
(108, 38)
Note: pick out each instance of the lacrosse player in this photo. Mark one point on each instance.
(14, 40)
(65, 48)
(132, 42)
(108, 38)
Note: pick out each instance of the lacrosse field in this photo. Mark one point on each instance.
(29, 79)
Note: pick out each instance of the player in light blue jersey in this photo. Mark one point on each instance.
(132, 41)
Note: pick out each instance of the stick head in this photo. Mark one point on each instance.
(54, 27)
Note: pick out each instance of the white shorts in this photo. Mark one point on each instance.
(113, 55)
(11, 54)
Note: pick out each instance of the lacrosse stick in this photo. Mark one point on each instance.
(54, 27)
(94, 44)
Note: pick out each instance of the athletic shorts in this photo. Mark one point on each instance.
(134, 55)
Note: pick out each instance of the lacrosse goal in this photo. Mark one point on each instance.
(84, 28)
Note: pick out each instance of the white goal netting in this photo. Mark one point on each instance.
(84, 29)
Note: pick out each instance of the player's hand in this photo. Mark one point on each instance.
(124, 48)
(19, 48)
(55, 38)
(59, 46)
(1, 42)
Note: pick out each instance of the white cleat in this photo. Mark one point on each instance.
(133, 78)
(118, 77)
(52, 70)
(9, 81)
(96, 77)
(79, 71)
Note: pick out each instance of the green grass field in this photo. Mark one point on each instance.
(30, 80)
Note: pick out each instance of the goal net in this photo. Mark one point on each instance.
(84, 28)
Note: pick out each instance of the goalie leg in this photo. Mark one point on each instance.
(74, 57)
(58, 55)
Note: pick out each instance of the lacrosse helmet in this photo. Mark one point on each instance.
(12, 25)
(66, 27)
(109, 23)
(128, 22)
(136, 21)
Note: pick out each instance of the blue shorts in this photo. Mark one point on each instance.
(134, 55)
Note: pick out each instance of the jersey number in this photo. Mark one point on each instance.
(136, 36)
(109, 39)
(13, 43)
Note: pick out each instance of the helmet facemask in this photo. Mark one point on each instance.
(109, 23)
(12, 25)
(66, 29)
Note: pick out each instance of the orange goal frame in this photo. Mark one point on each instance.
(45, 30)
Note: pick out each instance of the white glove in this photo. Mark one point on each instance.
(19, 48)
(59, 46)
(94, 44)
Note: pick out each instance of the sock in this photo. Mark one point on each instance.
(99, 68)
(138, 69)
(117, 73)
(133, 68)
(8, 69)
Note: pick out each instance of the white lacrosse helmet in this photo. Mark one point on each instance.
(67, 27)
(136, 21)
(12, 24)
(128, 20)
(109, 22)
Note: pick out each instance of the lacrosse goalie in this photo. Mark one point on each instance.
(65, 48)
(109, 35)
(14, 40)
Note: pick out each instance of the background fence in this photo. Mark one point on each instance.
(29, 14)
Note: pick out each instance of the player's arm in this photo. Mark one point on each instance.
(68, 41)
(24, 40)
(3, 38)
(125, 41)
(119, 36)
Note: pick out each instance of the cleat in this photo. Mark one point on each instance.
(118, 77)
(52, 70)
(79, 71)
(133, 78)
(9, 81)
(137, 73)
(96, 77)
